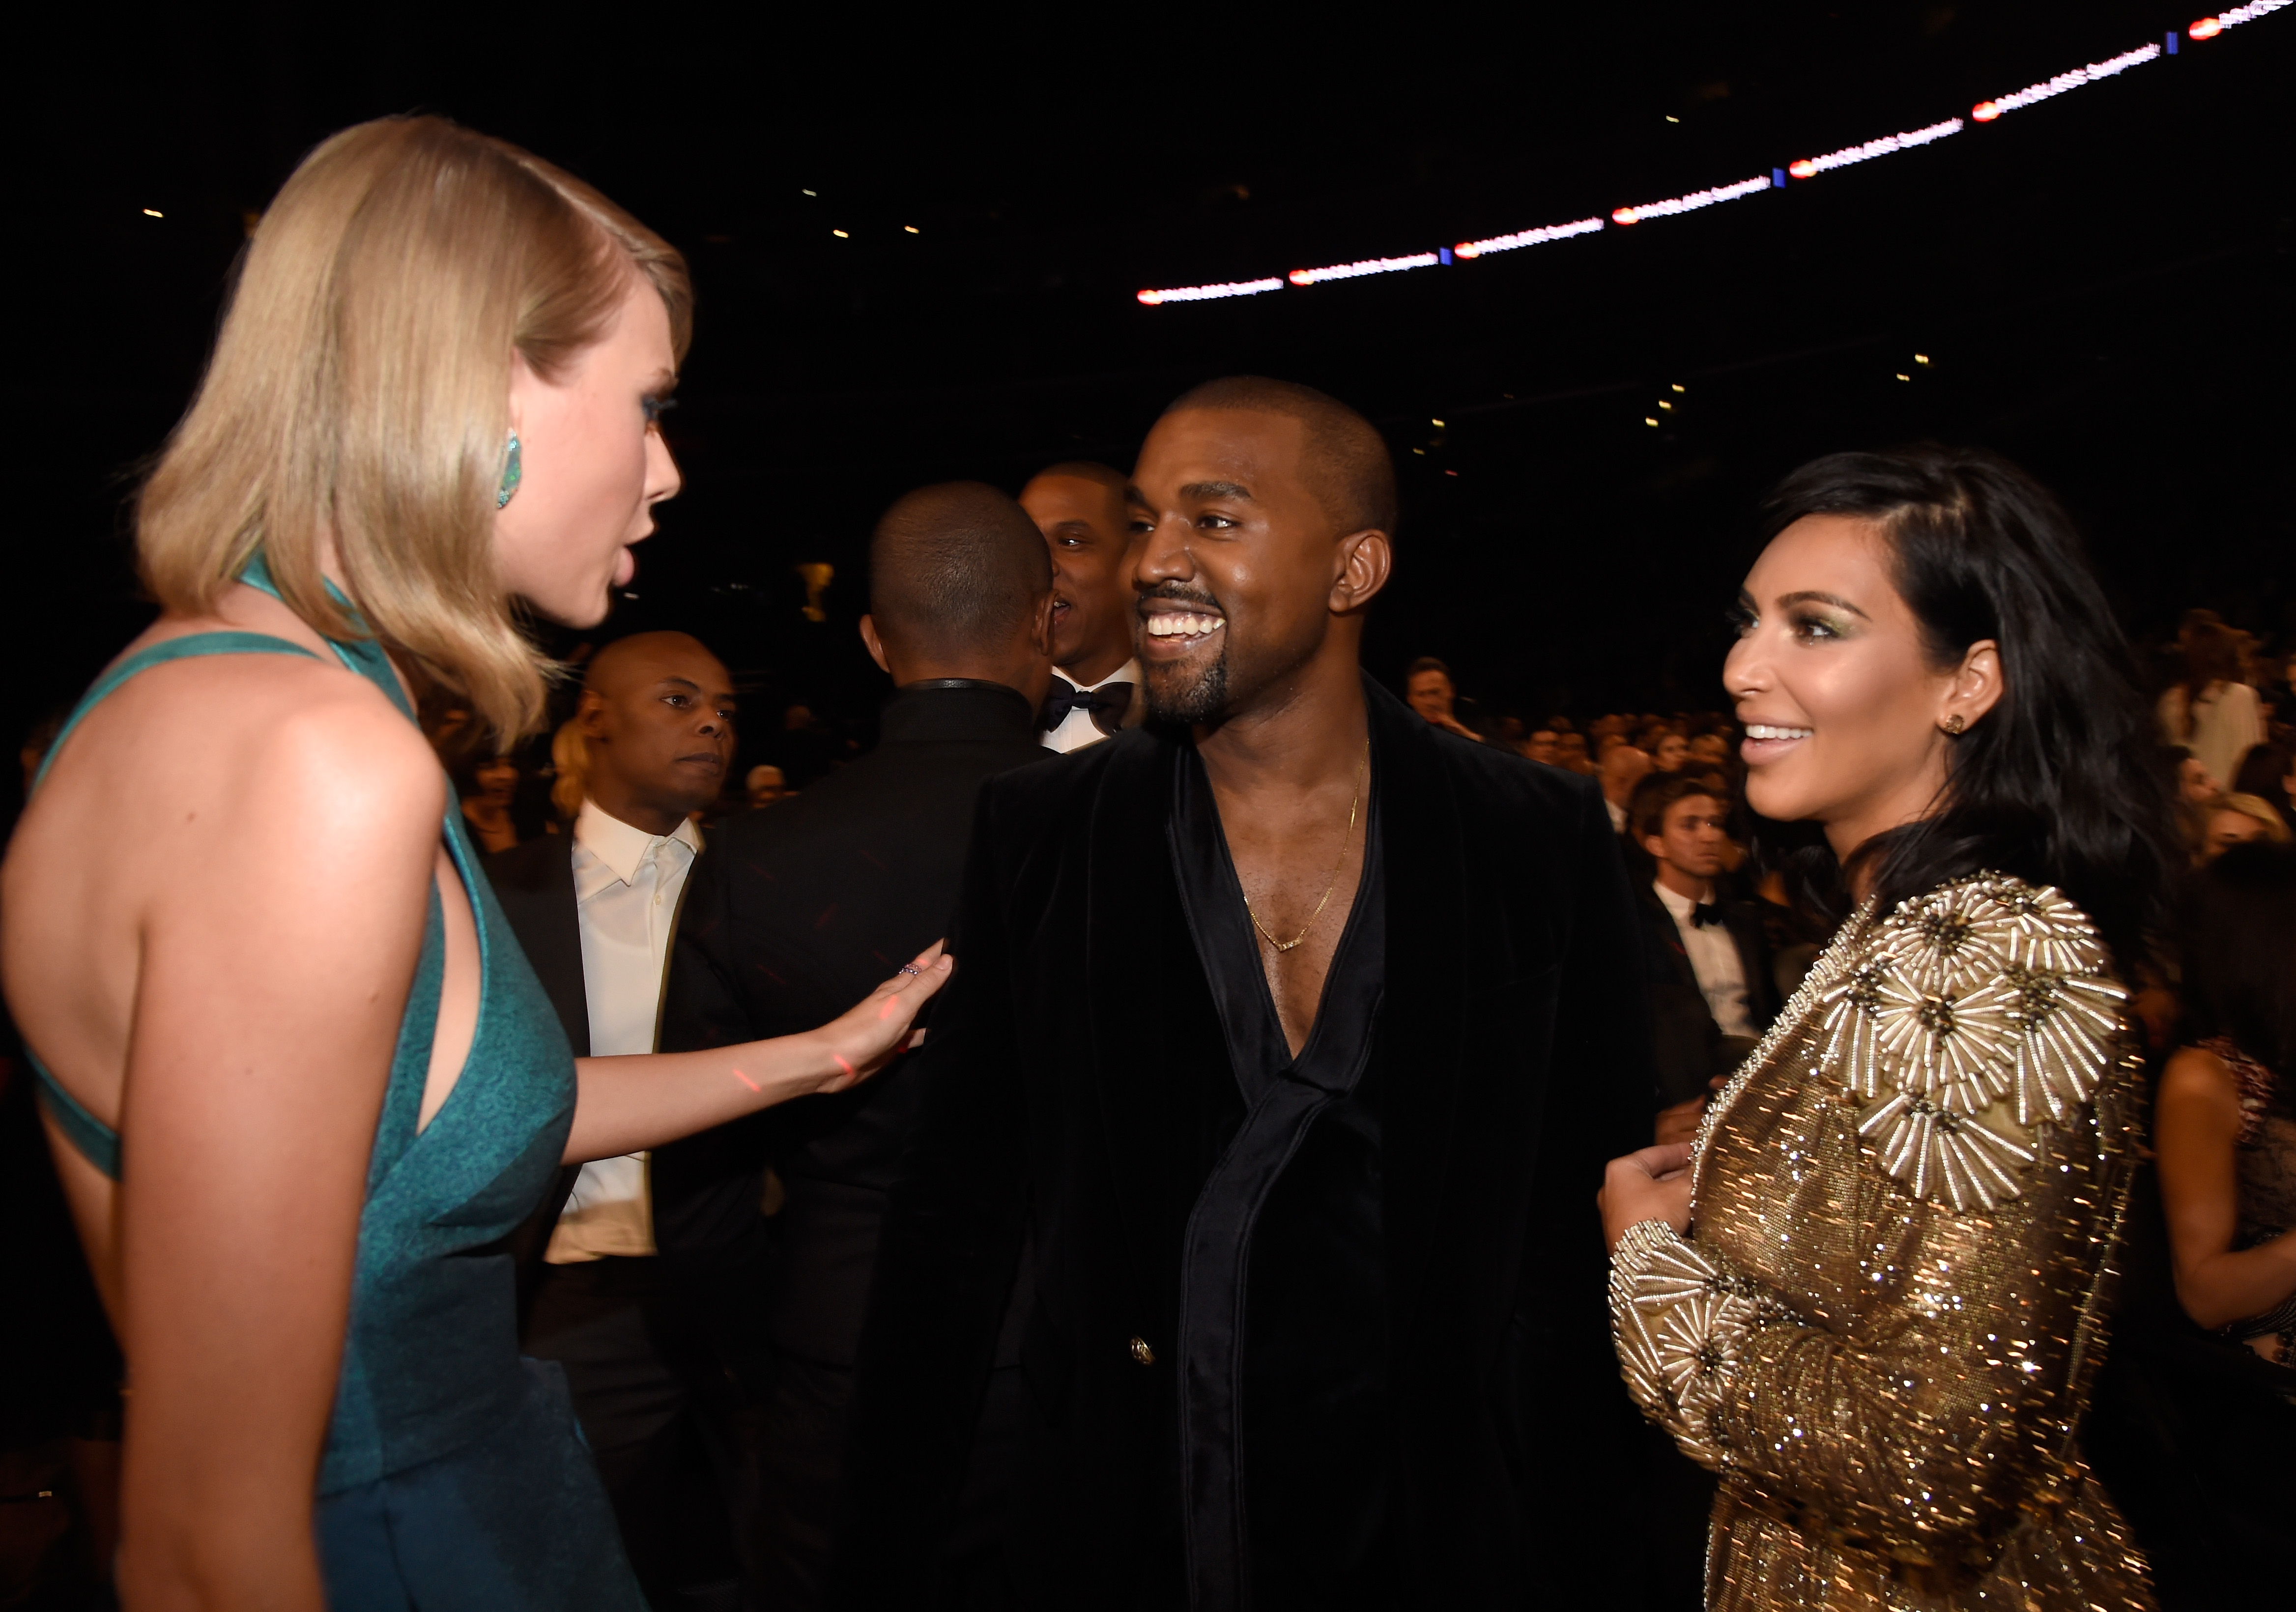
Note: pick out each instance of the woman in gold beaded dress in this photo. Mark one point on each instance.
(1870, 1295)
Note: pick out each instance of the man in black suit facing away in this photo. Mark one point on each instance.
(594, 909)
(1288, 1033)
(789, 905)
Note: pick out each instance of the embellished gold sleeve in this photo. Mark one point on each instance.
(1683, 1322)
(1905, 1207)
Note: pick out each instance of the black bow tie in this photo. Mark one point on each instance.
(1105, 704)
(1705, 913)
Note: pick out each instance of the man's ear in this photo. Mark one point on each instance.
(590, 715)
(1654, 847)
(873, 644)
(1040, 630)
(1365, 560)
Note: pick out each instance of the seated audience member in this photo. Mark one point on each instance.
(1622, 767)
(1542, 745)
(1570, 754)
(2235, 820)
(1081, 509)
(487, 785)
(2269, 772)
(1710, 748)
(1427, 689)
(2206, 1464)
(2210, 710)
(765, 784)
(594, 910)
(1710, 990)
(785, 907)
(2194, 786)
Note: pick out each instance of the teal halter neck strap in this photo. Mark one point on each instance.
(362, 655)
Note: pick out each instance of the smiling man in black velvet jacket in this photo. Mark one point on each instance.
(1288, 1033)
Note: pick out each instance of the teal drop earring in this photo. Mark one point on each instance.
(510, 473)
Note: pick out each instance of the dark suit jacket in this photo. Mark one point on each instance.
(793, 914)
(1687, 1042)
(533, 882)
(1512, 1052)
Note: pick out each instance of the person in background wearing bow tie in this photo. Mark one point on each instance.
(1079, 508)
(1710, 988)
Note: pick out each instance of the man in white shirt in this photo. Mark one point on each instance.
(1081, 509)
(1709, 988)
(596, 910)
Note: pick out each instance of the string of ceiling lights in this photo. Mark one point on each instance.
(1778, 178)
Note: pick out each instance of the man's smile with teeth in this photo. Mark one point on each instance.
(1183, 625)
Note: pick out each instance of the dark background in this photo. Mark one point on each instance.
(2101, 282)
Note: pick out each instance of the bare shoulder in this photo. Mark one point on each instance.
(2196, 1082)
(260, 767)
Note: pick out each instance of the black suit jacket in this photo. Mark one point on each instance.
(533, 882)
(793, 914)
(1687, 1042)
(1513, 1052)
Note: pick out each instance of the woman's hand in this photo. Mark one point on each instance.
(876, 1030)
(1649, 1184)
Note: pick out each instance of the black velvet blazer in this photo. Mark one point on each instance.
(1055, 1093)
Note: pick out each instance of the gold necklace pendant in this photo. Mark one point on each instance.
(1346, 836)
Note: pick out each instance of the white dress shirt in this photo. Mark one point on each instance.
(1714, 960)
(627, 885)
(1078, 729)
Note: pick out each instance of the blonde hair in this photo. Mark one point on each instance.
(569, 758)
(2255, 807)
(359, 390)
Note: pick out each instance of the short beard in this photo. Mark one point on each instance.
(1202, 699)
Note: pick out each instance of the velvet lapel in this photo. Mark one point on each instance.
(1424, 1070)
(1135, 971)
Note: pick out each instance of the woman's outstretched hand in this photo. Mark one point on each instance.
(876, 1030)
(1649, 1184)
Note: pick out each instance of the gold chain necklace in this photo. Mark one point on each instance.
(1345, 839)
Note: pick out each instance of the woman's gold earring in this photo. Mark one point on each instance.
(1955, 723)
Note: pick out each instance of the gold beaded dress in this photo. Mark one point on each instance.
(1882, 1329)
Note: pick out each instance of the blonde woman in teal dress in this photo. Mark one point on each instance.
(300, 1080)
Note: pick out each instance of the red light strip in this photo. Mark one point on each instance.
(1691, 203)
(1205, 294)
(1529, 237)
(1805, 167)
(1985, 111)
(1355, 271)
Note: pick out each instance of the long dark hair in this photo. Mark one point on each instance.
(2061, 782)
(2238, 924)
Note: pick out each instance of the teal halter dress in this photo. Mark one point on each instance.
(454, 1474)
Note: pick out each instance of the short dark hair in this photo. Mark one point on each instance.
(1348, 462)
(954, 567)
(1426, 662)
(1659, 794)
(1087, 470)
(2238, 927)
(2060, 781)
